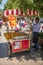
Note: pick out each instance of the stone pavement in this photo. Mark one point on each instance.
(23, 58)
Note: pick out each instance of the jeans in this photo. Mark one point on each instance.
(35, 39)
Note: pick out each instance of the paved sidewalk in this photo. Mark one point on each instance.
(23, 58)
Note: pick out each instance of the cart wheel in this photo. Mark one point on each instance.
(28, 51)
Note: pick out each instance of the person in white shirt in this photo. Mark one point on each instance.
(36, 28)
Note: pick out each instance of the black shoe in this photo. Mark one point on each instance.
(33, 46)
(36, 49)
(42, 48)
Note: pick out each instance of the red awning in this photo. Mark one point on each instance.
(20, 12)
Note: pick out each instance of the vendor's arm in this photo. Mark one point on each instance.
(32, 26)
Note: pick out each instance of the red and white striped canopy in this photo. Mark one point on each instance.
(20, 12)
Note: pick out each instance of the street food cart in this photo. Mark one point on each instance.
(17, 36)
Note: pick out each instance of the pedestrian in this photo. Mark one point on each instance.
(36, 28)
(0, 25)
(9, 50)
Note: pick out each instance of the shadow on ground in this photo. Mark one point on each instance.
(34, 55)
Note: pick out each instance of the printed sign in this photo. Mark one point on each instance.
(17, 45)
